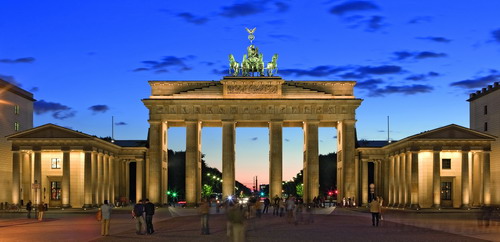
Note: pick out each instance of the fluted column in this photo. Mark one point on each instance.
(408, 179)
(87, 179)
(16, 177)
(37, 167)
(26, 176)
(193, 162)
(311, 161)
(105, 175)
(415, 202)
(486, 178)
(436, 179)
(65, 185)
(346, 153)
(364, 182)
(94, 178)
(100, 179)
(397, 181)
(402, 180)
(126, 166)
(113, 178)
(391, 181)
(228, 157)
(275, 158)
(139, 171)
(465, 179)
(157, 154)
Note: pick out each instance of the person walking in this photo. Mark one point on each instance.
(236, 217)
(28, 208)
(375, 210)
(276, 205)
(204, 210)
(106, 215)
(41, 209)
(138, 213)
(290, 207)
(267, 202)
(149, 209)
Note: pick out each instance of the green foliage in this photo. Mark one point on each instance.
(300, 189)
(206, 191)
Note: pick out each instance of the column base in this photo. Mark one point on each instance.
(415, 206)
(465, 207)
(437, 206)
(66, 206)
(87, 206)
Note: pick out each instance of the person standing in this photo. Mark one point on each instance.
(106, 215)
(236, 217)
(375, 210)
(276, 206)
(149, 208)
(41, 209)
(138, 213)
(28, 208)
(204, 216)
(267, 202)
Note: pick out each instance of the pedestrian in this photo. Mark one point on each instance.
(106, 215)
(204, 211)
(276, 205)
(381, 201)
(375, 210)
(236, 219)
(149, 209)
(138, 214)
(282, 207)
(267, 202)
(258, 208)
(28, 208)
(290, 207)
(41, 209)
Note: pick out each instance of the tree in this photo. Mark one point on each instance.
(300, 189)
(207, 191)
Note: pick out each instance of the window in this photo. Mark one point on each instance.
(16, 109)
(56, 163)
(485, 109)
(16, 126)
(485, 126)
(55, 190)
(446, 164)
(445, 190)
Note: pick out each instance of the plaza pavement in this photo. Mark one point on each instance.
(183, 224)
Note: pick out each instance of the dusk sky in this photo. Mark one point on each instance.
(415, 61)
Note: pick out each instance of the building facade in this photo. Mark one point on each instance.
(16, 114)
(485, 117)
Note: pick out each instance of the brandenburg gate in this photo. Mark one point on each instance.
(244, 100)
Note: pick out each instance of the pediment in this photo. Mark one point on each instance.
(49, 131)
(452, 131)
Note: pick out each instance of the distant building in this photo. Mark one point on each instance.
(16, 114)
(485, 117)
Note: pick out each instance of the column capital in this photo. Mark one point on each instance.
(154, 121)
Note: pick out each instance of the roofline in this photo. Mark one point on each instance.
(484, 91)
(5, 85)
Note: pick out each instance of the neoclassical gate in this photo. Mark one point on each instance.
(251, 102)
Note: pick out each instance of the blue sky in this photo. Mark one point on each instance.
(415, 61)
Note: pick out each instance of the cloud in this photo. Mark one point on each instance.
(10, 79)
(99, 109)
(379, 70)
(496, 35)
(369, 84)
(167, 62)
(59, 111)
(190, 18)
(319, 71)
(222, 71)
(405, 89)
(254, 138)
(242, 9)
(478, 82)
(353, 6)
(436, 39)
(374, 23)
(281, 7)
(120, 123)
(420, 19)
(283, 37)
(19, 60)
(402, 55)
(422, 77)
(287, 140)
(34, 89)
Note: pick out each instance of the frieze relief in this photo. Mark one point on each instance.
(252, 89)
(253, 109)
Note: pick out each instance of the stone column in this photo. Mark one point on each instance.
(16, 177)
(65, 185)
(346, 139)
(113, 178)
(402, 180)
(391, 181)
(397, 181)
(105, 175)
(465, 179)
(486, 178)
(126, 167)
(38, 175)
(311, 161)
(364, 182)
(139, 171)
(436, 179)
(100, 179)
(415, 202)
(157, 144)
(275, 158)
(228, 157)
(193, 161)
(408, 179)
(26, 176)
(87, 180)
(94, 178)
